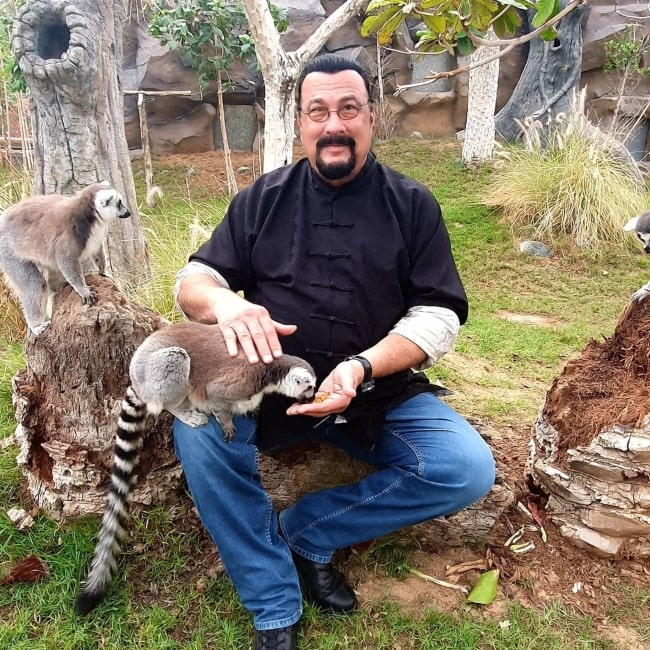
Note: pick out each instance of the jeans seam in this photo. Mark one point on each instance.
(280, 622)
(414, 450)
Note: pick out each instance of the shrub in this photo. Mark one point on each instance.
(569, 180)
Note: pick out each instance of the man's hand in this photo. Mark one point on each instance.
(334, 394)
(249, 326)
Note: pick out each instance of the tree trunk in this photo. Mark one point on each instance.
(590, 451)
(70, 54)
(279, 115)
(281, 70)
(549, 79)
(68, 399)
(478, 144)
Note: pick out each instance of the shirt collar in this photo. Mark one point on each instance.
(351, 186)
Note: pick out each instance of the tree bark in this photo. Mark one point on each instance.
(478, 143)
(590, 451)
(549, 79)
(68, 399)
(281, 69)
(70, 54)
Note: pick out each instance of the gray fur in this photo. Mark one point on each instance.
(44, 241)
(183, 368)
(640, 225)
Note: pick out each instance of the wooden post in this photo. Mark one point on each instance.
(144, 141)
(144, 132)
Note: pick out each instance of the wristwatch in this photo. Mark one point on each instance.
(368, 383)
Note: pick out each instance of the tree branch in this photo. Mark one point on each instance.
(477, 40)
(315, 42)
(508, 46)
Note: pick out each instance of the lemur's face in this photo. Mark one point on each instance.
(300, 383)
(110, 204)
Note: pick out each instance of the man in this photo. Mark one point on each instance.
(349, 264)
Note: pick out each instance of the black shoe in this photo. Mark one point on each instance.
(324, 586)
(282, 638)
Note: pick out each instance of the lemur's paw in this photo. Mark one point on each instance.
(88, 297)
(195, 418)
(39, 329)
(639, 295)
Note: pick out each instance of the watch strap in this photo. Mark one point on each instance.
(367, 383)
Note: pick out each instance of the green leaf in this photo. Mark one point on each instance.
(549, 34)
(378, 4)
(373, 24)
(385, 34)
(545, 9)
(517, 3)
(465, 46)
(512, 20)
(485, 589)
(436, 24)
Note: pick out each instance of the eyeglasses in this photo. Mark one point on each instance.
(346, 112)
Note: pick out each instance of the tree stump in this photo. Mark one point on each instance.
(590, 451)
(68, 399)
(549, 78)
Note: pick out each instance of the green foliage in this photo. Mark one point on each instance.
(450, 24)
(625, 53)
(568, 183)
(211, 34)
(9, 69)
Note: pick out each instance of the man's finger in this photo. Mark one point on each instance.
(246, 342)
(230, 337)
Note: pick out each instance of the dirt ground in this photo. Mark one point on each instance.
(550, 572)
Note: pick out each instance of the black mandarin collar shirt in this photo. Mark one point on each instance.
(344, 264)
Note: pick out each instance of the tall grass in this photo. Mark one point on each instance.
(569, 181)
(174, 231)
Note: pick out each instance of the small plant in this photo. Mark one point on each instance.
(624, 56)
(569, 180)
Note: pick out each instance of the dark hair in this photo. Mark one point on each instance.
(331, 64)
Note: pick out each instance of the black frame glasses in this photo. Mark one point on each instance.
(345, 112)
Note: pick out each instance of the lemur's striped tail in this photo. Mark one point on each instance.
(128, 443)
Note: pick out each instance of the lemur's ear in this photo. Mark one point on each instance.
(631, 224)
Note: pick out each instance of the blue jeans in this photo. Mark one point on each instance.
(430, 462)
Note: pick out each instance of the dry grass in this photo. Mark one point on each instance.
(568, 180)
(386, 123)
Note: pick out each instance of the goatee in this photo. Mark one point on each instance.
(336, 171)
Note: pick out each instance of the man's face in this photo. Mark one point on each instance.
(336, 148)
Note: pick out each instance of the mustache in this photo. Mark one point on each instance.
(335, 140)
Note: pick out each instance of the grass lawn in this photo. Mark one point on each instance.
(528, 316)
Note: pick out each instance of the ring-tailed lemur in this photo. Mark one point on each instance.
(44, 241)
(183, 368)
(641, 226)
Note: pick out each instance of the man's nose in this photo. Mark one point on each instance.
(333, 121)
